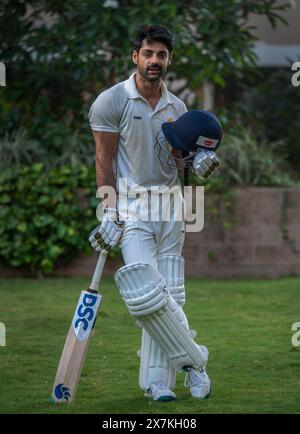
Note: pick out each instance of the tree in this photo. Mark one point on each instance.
(60, 55)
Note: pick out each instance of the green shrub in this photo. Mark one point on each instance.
(247, 161)
(46, 215)
(18, 149)
(271, 108)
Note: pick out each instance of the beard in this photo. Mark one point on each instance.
(152, 73)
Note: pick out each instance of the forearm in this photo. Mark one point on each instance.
(178, 158)
(105, 174)
(106, 178)
(106, 149)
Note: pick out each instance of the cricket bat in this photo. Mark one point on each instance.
(78, 339)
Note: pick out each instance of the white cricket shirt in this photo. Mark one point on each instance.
(122, 109)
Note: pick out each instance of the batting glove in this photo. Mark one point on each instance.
(108, 233)
(205, 163)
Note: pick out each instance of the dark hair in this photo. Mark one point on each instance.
(154, 33)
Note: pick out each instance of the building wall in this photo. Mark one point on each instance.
(283, 34)
(264, 241)
(280, 46)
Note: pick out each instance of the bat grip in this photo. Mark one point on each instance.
(186, 180)
(98, 270)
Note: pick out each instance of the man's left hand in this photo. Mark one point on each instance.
(205, 163)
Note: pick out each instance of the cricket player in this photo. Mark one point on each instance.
(126, 121)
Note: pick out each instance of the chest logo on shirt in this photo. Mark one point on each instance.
(137, 117)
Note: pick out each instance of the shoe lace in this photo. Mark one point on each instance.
(193, 378)
(156, 385)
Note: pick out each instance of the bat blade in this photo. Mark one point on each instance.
(76, 347)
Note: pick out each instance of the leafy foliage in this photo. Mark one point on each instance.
(248, 158)
(17, 149)
(271, 108)
(247, 161)
(60, 55)
(45, 215)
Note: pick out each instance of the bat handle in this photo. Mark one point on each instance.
(98, 270)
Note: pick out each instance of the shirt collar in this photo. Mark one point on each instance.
(134, 93)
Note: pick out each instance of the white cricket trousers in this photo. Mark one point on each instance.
(143, 241)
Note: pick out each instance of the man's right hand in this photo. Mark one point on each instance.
(205, 162)
(108, 233)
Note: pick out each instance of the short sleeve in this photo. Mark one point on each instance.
(183, 108)
(104, 113)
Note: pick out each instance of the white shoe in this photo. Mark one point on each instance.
(198, 382)
(159, 392)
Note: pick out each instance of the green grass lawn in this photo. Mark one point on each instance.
(246, 325)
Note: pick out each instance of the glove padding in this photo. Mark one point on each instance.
(205, 162)
(108, 233)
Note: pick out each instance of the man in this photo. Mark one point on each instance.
(126, 121)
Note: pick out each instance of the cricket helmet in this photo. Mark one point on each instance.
(194, 130)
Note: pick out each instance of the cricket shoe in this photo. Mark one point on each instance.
(159, 392)
(199, 383)
(197, 379)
